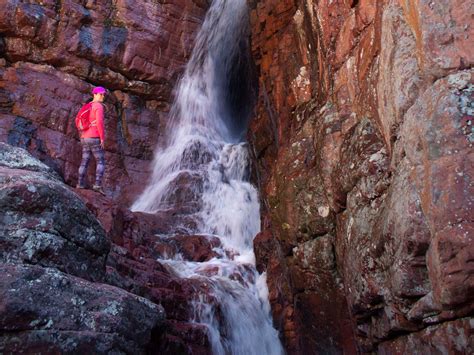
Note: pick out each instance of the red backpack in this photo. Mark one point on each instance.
(83, 121)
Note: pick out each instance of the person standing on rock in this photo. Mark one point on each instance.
(90, 123)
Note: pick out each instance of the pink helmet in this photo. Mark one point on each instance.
(98, 90)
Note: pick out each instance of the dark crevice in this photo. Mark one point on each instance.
(2, 47)
(400, 333)
(241, 90)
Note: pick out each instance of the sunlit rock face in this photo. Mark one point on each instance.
(52, 53)
(363, 143)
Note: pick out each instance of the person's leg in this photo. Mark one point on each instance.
(86, 157)
(99, 156)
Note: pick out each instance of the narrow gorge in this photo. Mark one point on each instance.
(281, 177)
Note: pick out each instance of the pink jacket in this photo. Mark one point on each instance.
(96, 130)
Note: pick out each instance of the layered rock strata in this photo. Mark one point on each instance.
(52, 53)
(363, 143)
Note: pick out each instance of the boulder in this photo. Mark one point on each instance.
(45, 310)
(53, 254)
(43, 222)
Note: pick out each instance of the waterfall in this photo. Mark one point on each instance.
(202, 172)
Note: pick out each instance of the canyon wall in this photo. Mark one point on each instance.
(53, 52)
(363, 138)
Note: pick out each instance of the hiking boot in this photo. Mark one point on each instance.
(98, 189)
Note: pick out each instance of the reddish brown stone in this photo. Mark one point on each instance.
(443, 33)
(383, 149)
(54, 52)
(270, 260)
(313, 271)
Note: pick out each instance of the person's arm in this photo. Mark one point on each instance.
(99, 116)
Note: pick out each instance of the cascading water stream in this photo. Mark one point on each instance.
(202, 172)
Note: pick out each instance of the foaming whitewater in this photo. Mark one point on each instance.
(202, 171)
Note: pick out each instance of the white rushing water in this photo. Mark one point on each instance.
(202, 171)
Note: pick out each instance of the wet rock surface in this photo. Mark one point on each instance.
(139, 240)
(364, 160)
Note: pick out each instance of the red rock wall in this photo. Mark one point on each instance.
(52, 52)
(363, 143)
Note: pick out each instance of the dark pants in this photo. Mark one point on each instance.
(91, 146)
